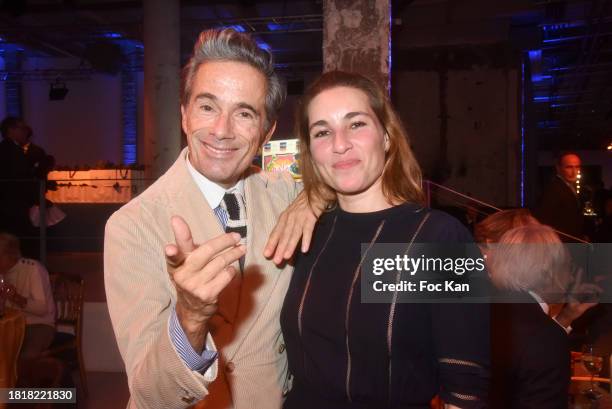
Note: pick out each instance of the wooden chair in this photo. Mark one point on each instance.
(12, 330)
(68, 296)
(436, 403)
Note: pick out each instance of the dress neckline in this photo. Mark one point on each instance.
(377, 215)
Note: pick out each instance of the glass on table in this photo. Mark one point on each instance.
(593, 364)
(3, 295)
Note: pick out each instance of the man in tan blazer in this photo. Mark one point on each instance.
(199, 322)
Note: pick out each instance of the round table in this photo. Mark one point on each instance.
(12, 328)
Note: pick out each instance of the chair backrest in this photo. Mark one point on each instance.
(12, 330)
(68, 296)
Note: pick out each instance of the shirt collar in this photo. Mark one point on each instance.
(213, 193)
(571, 186)
(22, 147)
(540, 301)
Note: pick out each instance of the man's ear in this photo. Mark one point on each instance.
(269, 134)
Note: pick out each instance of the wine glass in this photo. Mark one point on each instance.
(593, 364)
(3, 295)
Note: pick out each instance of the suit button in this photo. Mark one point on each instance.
(281, 348)
(188, 399)
(230, 367)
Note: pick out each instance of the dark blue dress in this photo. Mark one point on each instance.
(352, 360)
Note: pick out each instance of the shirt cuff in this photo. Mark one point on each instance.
(567, 329)
(193, 360)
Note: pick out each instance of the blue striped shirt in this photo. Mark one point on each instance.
(193, 360)
(221, 215)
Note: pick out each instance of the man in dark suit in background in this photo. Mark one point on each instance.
(560, 205)
(22, 166)
(530, 355)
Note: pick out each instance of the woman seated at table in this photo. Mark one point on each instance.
(530, 356)
(27, 288)
(344, 353)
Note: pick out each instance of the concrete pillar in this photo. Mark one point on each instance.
(357, 37)
(162, 131)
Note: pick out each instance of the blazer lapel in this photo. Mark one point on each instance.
(260, 275)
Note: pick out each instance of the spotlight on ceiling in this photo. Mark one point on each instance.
(58, 90)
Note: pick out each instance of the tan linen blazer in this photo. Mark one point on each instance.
(251, 371)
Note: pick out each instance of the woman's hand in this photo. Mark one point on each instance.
(13, 296)
(296, 223)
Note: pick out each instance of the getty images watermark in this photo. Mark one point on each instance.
(459, 272)
(406, 265)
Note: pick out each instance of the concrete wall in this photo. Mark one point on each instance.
(83, 128)
(483, 135)
(456, 83)
(424, 23)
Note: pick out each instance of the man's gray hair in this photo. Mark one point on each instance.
(229, 45)
(530, 258)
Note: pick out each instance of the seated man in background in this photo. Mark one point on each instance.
(530, 353)
(27, 288)
(493, 227)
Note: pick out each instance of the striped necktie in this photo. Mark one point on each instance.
(233, 204)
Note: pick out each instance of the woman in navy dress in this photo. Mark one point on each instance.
(344, 353)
